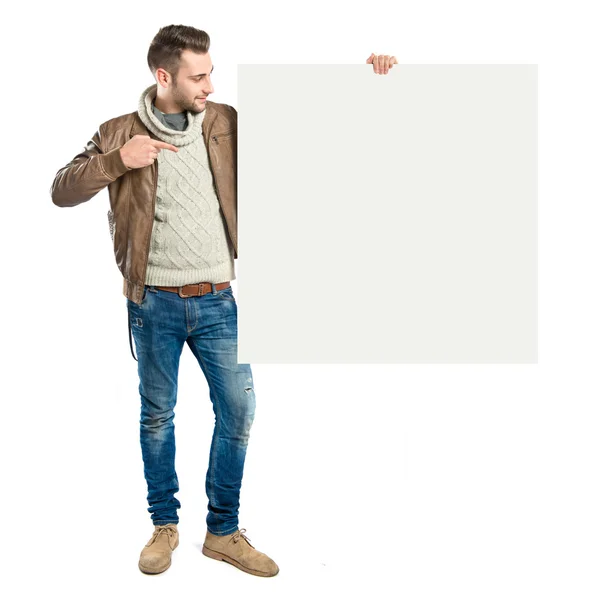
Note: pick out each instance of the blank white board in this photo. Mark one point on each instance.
(387, 218)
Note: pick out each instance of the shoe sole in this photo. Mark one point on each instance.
(220, 556)
(148, 571)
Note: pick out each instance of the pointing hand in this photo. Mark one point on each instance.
(142, 150)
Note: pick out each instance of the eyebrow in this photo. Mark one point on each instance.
(203, 74)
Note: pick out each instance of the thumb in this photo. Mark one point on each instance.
(370, 59)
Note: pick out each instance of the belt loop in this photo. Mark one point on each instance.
(213, 288)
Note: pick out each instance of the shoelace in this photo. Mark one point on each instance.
(240, 533)
(168, 529)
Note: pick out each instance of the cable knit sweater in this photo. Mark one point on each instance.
(189, 241)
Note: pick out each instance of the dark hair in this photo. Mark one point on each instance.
(168, 44)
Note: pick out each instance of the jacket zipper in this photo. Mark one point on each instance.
(151, 220)
(216, 140)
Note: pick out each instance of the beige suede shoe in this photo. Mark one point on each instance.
(237, 550)
(156, 554)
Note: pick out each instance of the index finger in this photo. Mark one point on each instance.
(159, 144)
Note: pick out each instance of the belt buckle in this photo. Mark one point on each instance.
(182, 295)
(180, 292)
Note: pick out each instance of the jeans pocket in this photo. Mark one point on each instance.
(226, 294)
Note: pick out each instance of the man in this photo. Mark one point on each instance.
(173, 221)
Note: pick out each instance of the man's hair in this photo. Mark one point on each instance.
(168, 44)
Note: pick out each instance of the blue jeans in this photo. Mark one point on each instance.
(160, 325)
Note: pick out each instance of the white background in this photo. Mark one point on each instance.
(409, 481)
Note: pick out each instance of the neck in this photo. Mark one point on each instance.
(165, 107)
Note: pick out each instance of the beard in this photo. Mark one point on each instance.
(184, 104)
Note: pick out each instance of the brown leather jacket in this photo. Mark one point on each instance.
(132, 192)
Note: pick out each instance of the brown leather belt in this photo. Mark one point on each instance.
(193, 289)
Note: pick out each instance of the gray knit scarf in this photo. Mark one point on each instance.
(171, 136)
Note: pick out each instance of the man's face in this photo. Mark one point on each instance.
(193, 82)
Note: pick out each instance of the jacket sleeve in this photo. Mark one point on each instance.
(89, 172)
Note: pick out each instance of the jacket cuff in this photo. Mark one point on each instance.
(113, 163)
